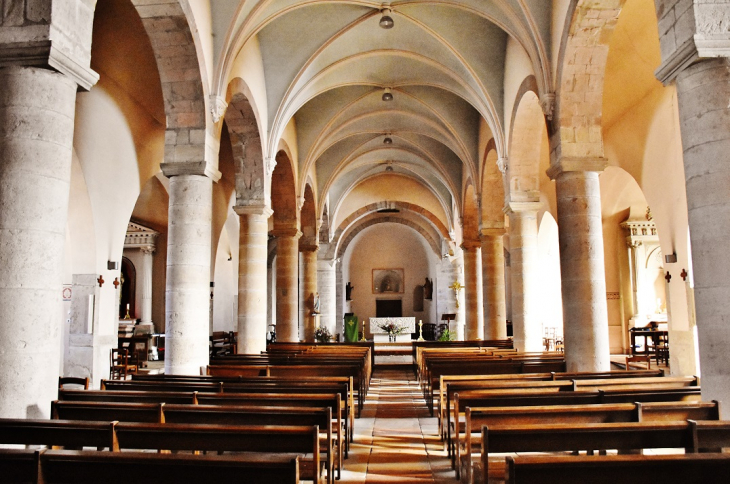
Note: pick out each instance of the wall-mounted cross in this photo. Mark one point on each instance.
(684, 275)
(668, 277)
(100, 280)
(116, 282)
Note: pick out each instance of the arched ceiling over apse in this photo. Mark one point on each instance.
(328, 63)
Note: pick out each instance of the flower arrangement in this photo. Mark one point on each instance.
(391, 328)
(322, 335)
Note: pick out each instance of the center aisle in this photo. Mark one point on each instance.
(395, 438)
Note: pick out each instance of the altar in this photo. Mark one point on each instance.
(381, 336)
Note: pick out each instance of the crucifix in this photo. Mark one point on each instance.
(456, 286)
(116, 282)
(668, 277)
(100, 280)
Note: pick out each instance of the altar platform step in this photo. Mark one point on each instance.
(393, 349)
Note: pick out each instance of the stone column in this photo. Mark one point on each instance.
(526, 324)
(309, 288)
(473, 291)
(37, 108)
(340, 300)
(188, 269)
(287, 293)
(703, 90)
(147, 253)
(582, 272)
(327, 287)
(252, 275)
(495, 310)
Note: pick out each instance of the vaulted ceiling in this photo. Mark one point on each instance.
(328, 63)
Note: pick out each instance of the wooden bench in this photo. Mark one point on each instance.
(537, 397)
(691, 436)
(626, 469)
(476, 418)
(115, 436)
(207, 414)
(89, 467)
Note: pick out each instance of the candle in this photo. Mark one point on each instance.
(127, 306)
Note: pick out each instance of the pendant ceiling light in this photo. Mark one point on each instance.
(388, 140)
(386, 21)
(387, 95)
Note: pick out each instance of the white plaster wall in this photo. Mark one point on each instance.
(386, 246)
(225, 300)
(249, 66)
(551, 299)
(204, 25)
(517, 67)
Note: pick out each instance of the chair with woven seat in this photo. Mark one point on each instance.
(120, 365)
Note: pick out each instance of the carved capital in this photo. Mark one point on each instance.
(202, 168)
(218, 106)
(569, 163)
(547, 103)
(261, 210)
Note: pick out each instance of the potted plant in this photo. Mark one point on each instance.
(392, 329)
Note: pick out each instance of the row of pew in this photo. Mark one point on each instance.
(486, 413)
(269, 428)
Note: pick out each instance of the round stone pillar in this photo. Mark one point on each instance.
(252, 273)
(582, 272)
(309, 289)
(495, 310)
(526, 324)
(147, 253)
(188, 273)
(703, 90)
(327, 287)
(473, 291)
(287, 293)
(37, 108)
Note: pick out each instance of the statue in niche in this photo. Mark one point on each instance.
(428, 289)
(348, 291)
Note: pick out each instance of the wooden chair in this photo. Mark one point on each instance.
(71, 380)
(639, 358)
(119, 364)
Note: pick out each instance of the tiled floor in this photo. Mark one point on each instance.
(396, 441)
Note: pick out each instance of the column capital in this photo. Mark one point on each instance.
(471, 244)
(520, 207)
(286, 232)
(259, 209)
(493, 232)
(148, 249)
(46, 35)
(576, 163)
(201, 168)
(308, 244)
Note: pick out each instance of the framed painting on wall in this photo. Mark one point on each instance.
(388, 281)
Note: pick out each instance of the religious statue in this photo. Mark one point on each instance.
(428, 289)
(348, 291)
(316, 304)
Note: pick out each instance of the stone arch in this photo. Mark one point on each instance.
(492, 193)
(179, 61)
(470, 217)
(528, 129)
(374, 207)
(576, 127)
(369, 222)
(283, 194)
(244, 132)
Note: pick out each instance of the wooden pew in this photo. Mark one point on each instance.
(207, 414)
(476, 418)
(342, 385)
(446, 391)
(62, 433)
(227, 438)
(691, 436)
(533, 397)
(89, 467)
(127, 396)
(626, 469)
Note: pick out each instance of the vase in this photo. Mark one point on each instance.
(391, 337)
